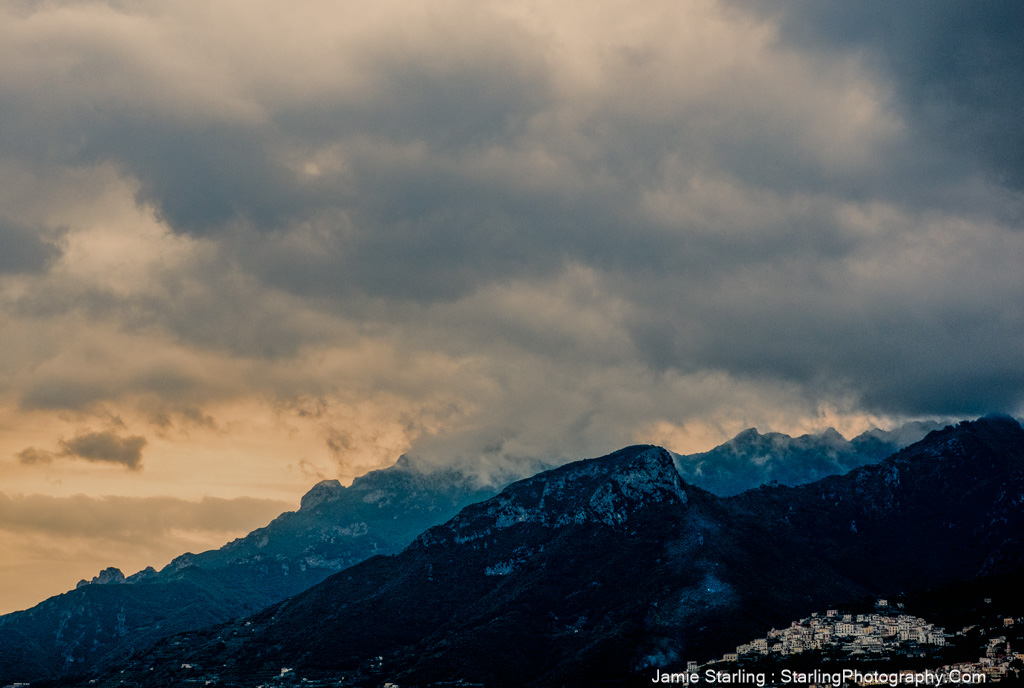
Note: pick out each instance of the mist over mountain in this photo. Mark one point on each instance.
(605, 568)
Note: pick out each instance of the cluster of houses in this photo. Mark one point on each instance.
(884, 632)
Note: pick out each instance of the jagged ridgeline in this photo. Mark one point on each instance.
(751, 458)
(111, 616)
(105, 620)
(603, 570)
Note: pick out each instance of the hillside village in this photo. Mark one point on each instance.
(886, 634)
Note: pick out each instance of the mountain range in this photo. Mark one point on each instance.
(108, 618)
(751, 458)
(604, 570)
(111, 616)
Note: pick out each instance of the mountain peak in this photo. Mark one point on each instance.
(108, 576)
(831, 433)
(993, 428)
(1003, 419)
(745, 436)
(605, 490)
(323, 491)
(751, 458)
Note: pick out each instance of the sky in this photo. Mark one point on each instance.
(246, 246)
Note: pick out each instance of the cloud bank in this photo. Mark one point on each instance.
(488, 231)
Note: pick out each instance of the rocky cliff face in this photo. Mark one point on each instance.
(107, 576)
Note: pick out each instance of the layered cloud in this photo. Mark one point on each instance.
(498, 230)
(955, 67)
(25, 250)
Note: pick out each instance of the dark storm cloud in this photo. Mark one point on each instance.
(445, 87)
(437, 188)
(101, 447)
(952, 360)
(201, 179)
(24, 250)
(957, 67)
(435, 84)
(796, 207)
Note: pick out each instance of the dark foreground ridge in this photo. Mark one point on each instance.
(601, 570)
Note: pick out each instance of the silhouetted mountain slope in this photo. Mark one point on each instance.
(603, 569)
(336, 526)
